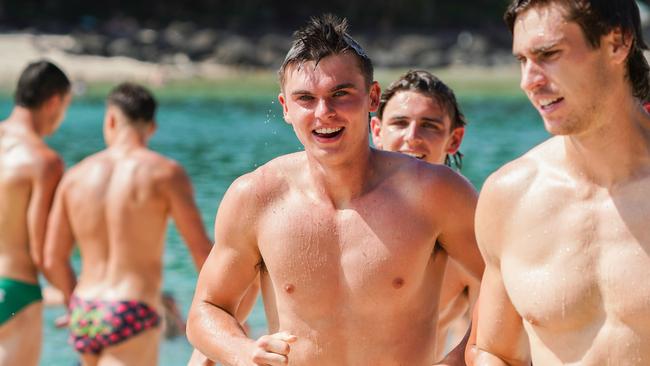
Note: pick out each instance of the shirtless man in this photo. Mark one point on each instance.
(29, 173)
(115, 205)
(347, 239)
(418, 115)
(564, 229)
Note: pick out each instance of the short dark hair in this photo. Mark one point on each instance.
(425, 83)
(135, 101)
(39, 82)
(597, 18)
(324, 36)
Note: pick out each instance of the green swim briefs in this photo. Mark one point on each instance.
(15, 295)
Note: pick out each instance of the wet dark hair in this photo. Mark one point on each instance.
(321, 37)
(135, 101)
(39, 82)
(597, 18)
(425, 83)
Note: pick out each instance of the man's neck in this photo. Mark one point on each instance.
(616, 150)
(128, 139)
(341, 182)
(25, 120)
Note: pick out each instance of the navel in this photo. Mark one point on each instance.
(398, 282)
(289, 288)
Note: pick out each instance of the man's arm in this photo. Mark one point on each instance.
(47, 174)
(456, 205)
(187, 216)
(59, 243)
(231, 267)
(500, 336)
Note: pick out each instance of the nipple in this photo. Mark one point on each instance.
(289, 288)
(398, 282)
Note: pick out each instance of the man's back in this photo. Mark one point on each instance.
(20, 154)
(118, 210)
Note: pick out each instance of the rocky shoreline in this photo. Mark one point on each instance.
(183, 51)
(124, 50)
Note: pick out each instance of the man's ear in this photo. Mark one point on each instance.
(375, 96)
(455, 140)
(619, 45)
(52, 103)
(151, 128)
(375, 130)
(285, 109)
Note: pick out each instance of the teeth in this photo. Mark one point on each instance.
(547, 102)
(418, 156)
(328, 130)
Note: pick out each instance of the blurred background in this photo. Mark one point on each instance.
(212, 65)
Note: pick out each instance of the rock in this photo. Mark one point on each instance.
(201, 43)
(236, 50)
(91, 43)
(123, 47)
(177, 33)
(147, 36)
(272, 48)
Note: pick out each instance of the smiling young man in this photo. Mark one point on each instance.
(564, 229)
(29, 174)
(418, 115)
(350, 242)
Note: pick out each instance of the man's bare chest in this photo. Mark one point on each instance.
(364, 250)
(573, 261)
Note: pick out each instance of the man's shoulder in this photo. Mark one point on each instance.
(272, 176)
(521, 172)
(424, 175)
(45, 161)
(268, 182)
(516, 178)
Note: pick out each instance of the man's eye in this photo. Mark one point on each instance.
(549, 54)
(340, 93)
(432, 126)
(305, 98)
(398, 123)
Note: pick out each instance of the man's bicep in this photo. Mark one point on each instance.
(225, 277)
(500, 331)
(59, 238)
(45, 180)
(457, 236)
(234, 261)
(188, 218)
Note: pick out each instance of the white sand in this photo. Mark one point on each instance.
(19, 49)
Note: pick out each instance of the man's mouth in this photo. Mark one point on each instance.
(546, 103)
(414, 154)
(328, 132)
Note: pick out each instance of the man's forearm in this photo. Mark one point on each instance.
(62, 277)
(484, 358)
(219, 336)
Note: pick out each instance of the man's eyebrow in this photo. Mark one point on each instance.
(343, 86)
(433, 119)
(537, 50)
(300, 92)
(338, 87)
(427, 119)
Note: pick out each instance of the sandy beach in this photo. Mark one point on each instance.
(20, 48)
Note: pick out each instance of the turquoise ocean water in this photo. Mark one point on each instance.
(218, 140)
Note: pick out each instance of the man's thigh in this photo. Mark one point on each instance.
(142, 349)
(21, 337)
